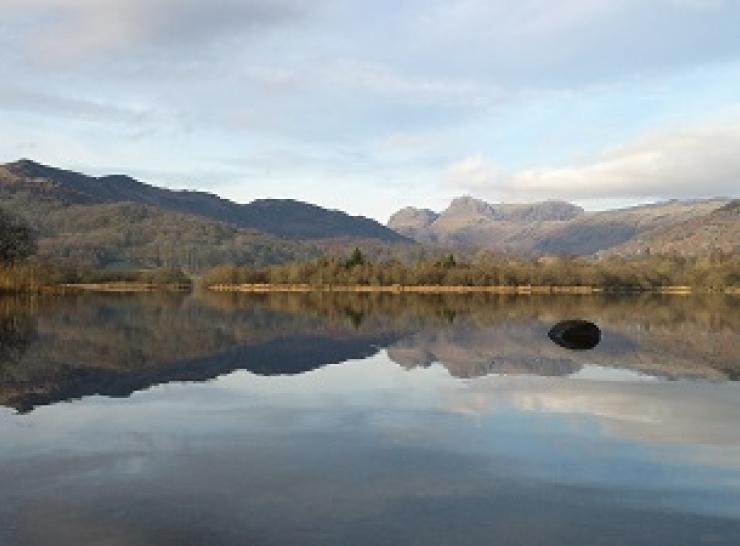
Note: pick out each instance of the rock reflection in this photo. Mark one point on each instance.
(576, 335)
(114, 345)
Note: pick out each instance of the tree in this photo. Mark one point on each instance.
(17, 240)
(448, 262)
(357, 258)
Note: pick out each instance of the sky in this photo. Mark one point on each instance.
(371, 106)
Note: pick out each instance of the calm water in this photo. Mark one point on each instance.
(375, 419)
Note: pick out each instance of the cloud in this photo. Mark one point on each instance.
(405, 88)
(374, 79)
(536, 42)
(13, 99)
(644, 411)
(83, 28)
(473, 173)
(518, 43)
(690, 163)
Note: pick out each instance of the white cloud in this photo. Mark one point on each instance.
(474, 173)
(672, 413)
(82, 28)
(399, 91)
(536, 42)
(375, 79)
(697, 162)
(13, 99)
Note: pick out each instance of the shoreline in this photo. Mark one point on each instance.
(304, 288)
(443, 289)
(126, 287)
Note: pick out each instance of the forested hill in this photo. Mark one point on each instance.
(280, 217)
(118, 222)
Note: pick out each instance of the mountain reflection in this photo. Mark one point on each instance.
(67, 347)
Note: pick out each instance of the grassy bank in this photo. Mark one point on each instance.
(36, 277)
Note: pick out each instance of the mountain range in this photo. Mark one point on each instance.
(692, 227)
(117, 221)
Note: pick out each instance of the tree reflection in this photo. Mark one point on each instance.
(117, 344)
(17, 331)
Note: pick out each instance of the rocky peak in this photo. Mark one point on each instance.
(411, 217)
(469, 206)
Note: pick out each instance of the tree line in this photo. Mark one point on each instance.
(716, 271)
(21, 270)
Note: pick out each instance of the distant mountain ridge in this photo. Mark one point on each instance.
(717, 231)
(281, 217)
(119, 222)
(468, 209)
(561, 228)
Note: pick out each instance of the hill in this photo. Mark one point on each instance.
(280, 217)
(717, 231)
(549, 227)
(119, 222)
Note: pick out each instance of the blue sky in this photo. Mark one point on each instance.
(370, 106)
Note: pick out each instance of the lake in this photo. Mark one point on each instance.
(364, 419)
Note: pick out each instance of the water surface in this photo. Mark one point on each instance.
(335, 419)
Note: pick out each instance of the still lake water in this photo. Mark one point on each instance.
(322, 419)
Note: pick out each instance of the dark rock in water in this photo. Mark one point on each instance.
(578, 335)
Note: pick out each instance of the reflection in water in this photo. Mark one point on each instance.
(116, 345)
(17, 330)
(335, 419)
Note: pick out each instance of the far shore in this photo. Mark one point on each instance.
(442, 289)
(124, 287)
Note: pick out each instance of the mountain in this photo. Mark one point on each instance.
(411, 222)
(560, 228)
(719, 231)
(119, 222)
(467, 207)
(280, 217)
